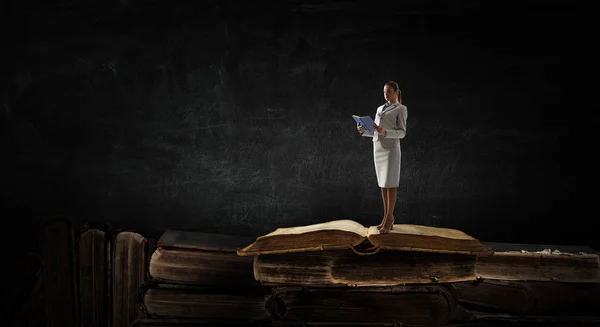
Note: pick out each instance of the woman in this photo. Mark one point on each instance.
(390, 127)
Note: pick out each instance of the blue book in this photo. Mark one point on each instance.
(366, 122)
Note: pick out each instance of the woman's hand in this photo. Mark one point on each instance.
(360, 129)
(379, 130)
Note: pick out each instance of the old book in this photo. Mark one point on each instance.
(530, 298)
(58, 273)
(331, 324)
(94, 251)
(504, 320)
(179, 301)
(417, 305)
(129, 272)
(539, 263)
(344, 234)
(175, 322)
(344, 267)
(201, 259)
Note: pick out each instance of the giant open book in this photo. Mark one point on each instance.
(344, 234)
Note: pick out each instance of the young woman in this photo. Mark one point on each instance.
(390, 127)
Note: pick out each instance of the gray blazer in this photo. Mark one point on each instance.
(393, 119)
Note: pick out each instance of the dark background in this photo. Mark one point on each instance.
(234, 118)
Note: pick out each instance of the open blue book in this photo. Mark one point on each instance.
(366, 122)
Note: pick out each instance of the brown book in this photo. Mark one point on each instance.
(130, 265)
(194, 258)
(415, 305)
(331, 324)
(179, 301)
(539, 263)
(344, 234)
(530, 298)
(345, 267)
(503, 320)
(174, 322)
(58, 273)
(94, 251)
(202, 241)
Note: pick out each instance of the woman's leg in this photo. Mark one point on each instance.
(391, 204)
(384, 197)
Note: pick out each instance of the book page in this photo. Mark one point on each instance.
(340, 225)
(426, 239)
(373, 230)
(429, 231)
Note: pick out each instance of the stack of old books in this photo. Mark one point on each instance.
(340, 273)
(532, 285)
(197, 279)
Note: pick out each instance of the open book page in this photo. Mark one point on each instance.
(373, 230)
(337, 234)
(406, 229)
(425, 238)
(431, 231)
(339, 225)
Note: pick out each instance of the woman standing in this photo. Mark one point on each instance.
(390, 127)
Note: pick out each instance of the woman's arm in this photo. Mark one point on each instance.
(398, 132)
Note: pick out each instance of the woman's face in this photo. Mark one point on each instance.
(390, 94)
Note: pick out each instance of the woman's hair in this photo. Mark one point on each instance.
(394, 85)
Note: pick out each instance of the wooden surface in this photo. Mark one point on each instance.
(129, 273)
(58, 273)
(194, 267)
(324, 268)
(93, 277)
(203, 241)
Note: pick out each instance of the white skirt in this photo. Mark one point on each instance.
(386, 155)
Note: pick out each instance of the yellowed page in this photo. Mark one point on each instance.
(423, 231)
(342, 225)
(426, 231)
(373, 230)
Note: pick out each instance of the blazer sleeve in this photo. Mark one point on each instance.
(399, 131)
